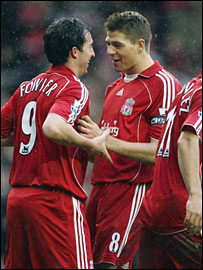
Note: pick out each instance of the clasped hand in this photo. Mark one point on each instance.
(193, 218)
(91, 130)
(88, 128)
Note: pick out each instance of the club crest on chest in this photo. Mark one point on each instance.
(127, 108)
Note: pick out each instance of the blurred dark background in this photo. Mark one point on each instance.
(176, 44)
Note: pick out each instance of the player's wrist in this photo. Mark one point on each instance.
(195, 193)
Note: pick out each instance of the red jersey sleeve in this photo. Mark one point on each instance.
(7, 117)
(72, 103)
(156, 118)
(162, 92)
(194, 118)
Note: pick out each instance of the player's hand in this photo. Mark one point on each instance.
(100, 145)
(193, 218)
(88, 128)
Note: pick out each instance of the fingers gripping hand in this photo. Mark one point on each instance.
(88, 128)
(193, 218)
(101, 146)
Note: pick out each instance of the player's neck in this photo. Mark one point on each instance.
(144, 63)
(73, 67)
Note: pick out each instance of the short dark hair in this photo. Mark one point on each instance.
(132, 24)
(61, 36)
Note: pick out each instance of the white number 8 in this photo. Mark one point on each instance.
(113, 247)
(28, 128)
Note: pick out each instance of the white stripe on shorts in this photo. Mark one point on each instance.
(136, 203)
(81, 250)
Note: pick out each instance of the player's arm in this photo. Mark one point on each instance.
(188, 159)
(7, 137)
(59, 131)
(143, 152)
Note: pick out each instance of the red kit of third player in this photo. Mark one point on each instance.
(163, 209)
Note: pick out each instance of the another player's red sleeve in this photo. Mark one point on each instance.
(7, 116)
(194, 118)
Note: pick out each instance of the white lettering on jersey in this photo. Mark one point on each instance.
(47, 85)
(34, 85)
(187, 102)
(42, 85)
(113, 130)
(51, 89)
(187, 88)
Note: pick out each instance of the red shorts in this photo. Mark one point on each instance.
(46, 230)
(174, 251)
(112, 215)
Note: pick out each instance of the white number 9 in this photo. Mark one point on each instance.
(28, 128)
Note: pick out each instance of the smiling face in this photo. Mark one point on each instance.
(124, 54)
(85, 55)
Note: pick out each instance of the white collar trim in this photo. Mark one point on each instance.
(129, 78)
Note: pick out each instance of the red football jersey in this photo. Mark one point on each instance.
(164, 206)
(134, 110)
(37, 160)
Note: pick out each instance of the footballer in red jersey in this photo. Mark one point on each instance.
(134, 111)
(172, 206)
(46, 224)
(58, 91)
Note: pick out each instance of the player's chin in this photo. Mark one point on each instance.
(83, 72)
(86, 69)
(117, 69)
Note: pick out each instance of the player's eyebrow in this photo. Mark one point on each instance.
(114, 43)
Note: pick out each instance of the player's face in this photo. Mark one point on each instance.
(122, 52)
(86, 54)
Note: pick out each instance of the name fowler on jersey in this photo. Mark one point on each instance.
(38, 85)
(113, 130)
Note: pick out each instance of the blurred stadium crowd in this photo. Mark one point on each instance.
(176, 44)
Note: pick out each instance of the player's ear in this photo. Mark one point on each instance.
(74, 52)
(140, 45)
